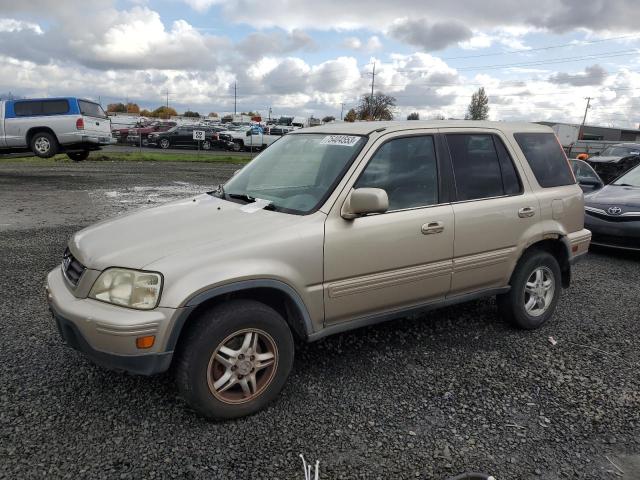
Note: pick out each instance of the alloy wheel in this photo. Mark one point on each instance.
(242, 366)
(539, 291)
(42, 145)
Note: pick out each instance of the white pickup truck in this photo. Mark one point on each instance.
(251, 137)
(48, 126)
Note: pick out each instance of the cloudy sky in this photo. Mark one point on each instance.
(311, 57)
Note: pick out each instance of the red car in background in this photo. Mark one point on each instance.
(136, 134)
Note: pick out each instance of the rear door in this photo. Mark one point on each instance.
(96, 122)
(495, 211)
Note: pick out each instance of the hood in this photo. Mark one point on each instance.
(607, 159)
(142, 237)
(614, 195)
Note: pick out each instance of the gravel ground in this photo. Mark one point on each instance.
(426, 397)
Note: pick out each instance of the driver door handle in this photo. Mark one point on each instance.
(432, 227)
(525, 212)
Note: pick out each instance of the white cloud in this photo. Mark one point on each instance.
(372, 44)
(12, 25)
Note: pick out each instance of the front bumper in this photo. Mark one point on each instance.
(624, 235)
(107, 333)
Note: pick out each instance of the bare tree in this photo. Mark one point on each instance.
(378, 106)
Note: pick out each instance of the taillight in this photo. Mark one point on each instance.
(80, 124)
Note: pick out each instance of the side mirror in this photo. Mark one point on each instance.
(592, 183)
(363, 201)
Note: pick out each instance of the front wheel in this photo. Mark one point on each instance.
(165, 143)
(535, 291)
(78, 156)
(234, 360)
(206, 145)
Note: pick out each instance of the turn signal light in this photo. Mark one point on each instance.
(145, 342)
(80, 124)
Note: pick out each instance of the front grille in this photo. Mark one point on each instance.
(72, 268)
(613, 218)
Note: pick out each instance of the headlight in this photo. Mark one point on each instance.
(128, 288)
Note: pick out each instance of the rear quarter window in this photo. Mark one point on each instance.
(546, 158)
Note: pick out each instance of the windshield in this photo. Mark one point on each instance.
(620, 151)
(630, 179)
(297, 172)
(584, 172)
(91, 109)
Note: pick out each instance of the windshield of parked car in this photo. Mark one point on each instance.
(620, 151)
(629, 179)
(584, 172)
(297, 172)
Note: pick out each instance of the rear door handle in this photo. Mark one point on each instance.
(525, 212)
(432, 227)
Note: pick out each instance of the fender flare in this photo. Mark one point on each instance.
(214, 292)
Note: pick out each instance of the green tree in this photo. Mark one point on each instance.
(191, 114)
(329, 118)
(164, 112)
(413, 116)
(378, 106)
(479, 106)
(351, 116)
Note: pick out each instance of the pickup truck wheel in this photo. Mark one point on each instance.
(206, 145)
(238, 146)
(165, 143)
(78, 156)
(234, 360)
(44, 144)
(535, 291)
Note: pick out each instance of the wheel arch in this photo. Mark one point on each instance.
(274, 293)
(557, 245)
(33, 130)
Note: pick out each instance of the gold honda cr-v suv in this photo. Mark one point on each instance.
(331, 228)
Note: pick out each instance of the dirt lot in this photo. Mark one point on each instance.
(426, 397)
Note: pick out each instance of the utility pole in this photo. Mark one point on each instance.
(167, 93)
(373, 83)
(269, 113)
(341, 110)
(584, 119)
(235, 98)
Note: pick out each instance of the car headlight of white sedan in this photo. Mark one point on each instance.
(128, 288)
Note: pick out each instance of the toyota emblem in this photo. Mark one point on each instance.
(614, 210)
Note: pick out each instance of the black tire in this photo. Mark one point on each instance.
(203, 340)
(44, 144)
(511, 305)
(78, 156)
(164, 143)
(238, 145)
(206, 145)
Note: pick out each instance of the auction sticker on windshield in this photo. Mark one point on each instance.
(344, 140)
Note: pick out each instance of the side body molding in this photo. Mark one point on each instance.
(205, 295)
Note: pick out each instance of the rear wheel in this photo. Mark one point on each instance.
(165, 143)
(238, 145)
(206, 145)
(78, 156)
(44, 144)
(234, 360)
(535, 291)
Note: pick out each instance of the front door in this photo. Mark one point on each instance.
(402, 258)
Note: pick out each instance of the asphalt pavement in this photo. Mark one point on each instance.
(426, 397)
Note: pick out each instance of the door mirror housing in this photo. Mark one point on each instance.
(590, 183)
(364, 201)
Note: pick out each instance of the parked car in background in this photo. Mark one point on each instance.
(614, 160)
(181, 136)
(140, 134)
(613, 212)
(330, 229)
(47, 126)
(251, 137)
(586, 176)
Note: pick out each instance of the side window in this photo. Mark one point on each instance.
(476, 166)
(546, 158)
(55, 107)
(510, 179)
(406, 169)
(27, 109)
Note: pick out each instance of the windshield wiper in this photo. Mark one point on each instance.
(241, 196)
(218, 192)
